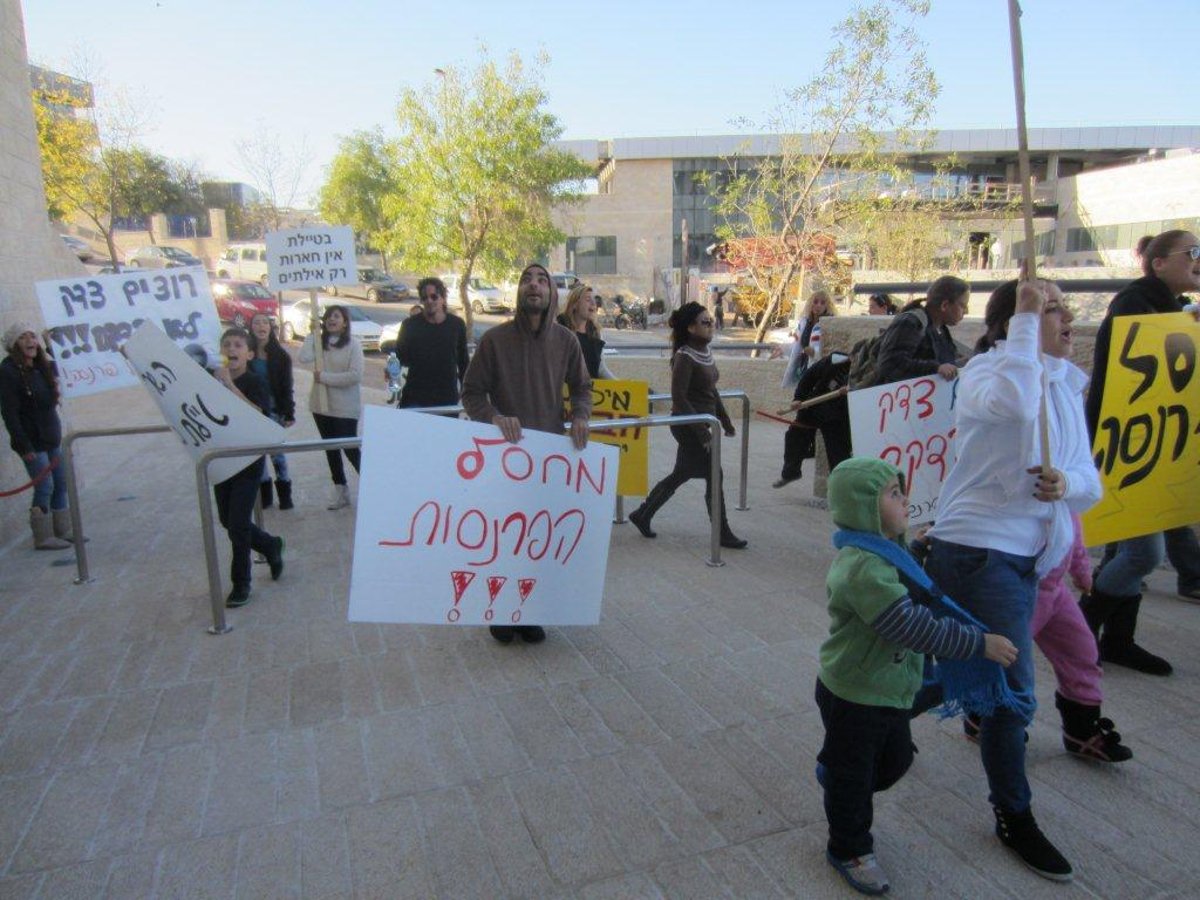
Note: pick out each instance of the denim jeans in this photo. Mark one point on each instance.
(278, 460)
(1121, 574)
(867, 749)
(999, 589)
(51, 491)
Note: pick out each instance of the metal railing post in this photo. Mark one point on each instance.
(717, 493)
(82, 575)
(203, 493)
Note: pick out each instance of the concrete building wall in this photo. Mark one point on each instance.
(637, 211)
(30, 249)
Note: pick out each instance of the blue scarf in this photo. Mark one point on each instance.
(976, 686)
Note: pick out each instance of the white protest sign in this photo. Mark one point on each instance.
(311, 257)
(457, 525)
(88, 318)
(911, 425)
(203, 412)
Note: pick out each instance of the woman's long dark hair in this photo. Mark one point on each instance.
(1001, 307)
(327, 340)
(42, 362)
(682, 319)
(1159, 247)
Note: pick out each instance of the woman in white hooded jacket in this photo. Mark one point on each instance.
(1003, 523)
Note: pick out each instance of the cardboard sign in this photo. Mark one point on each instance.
(88, 319)
(457, 525)
(311, 257)
(203, 412)
(911, 425)
(1147, 444)
(617, 399)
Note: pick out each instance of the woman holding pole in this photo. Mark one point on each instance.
(1004, 522)
(335, 399)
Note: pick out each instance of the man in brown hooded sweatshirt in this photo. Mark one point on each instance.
(515, 381)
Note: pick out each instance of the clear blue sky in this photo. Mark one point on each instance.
(212, 72)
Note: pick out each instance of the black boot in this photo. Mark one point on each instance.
(1118, 647)
(284, 490)
(1020, 833)
(1096, 607)
(641, 516)
(731, 540)
(265, 494)
(1087, 734)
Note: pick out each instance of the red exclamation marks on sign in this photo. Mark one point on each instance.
(494, 583)
(524, 589)
(461, 581)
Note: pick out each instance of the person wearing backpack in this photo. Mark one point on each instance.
(918, 341)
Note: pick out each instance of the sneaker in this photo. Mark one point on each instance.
(502, 633)
(863, 873)
(239, 596)
(275, 559)
(1019, 832)
(531, 634)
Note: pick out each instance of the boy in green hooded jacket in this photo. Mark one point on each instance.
(872, 664)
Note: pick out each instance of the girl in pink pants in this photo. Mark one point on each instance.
(1063, 635)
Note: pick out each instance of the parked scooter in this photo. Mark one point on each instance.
(629, 315)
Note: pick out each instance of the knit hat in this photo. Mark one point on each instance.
(14, 331)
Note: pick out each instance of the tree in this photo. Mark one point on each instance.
(475, 174)
(276, 172)
(360, 177)
(905, 235)
(833, 154)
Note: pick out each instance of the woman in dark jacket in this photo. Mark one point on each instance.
(579, 315)
(1171, 263)
(918, 340)
(693, 390)
(28, 401)
(274, 364)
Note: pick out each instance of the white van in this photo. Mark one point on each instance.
(247, 261)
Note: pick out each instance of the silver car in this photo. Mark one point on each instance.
(297, 319)
(160, 256)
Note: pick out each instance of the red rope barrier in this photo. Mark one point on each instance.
(36, 478)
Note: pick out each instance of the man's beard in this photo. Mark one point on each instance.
(532, 303)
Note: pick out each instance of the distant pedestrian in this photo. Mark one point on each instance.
(235, 495)
(694, 379)
(335, 398)
(719, 308)
(274, 365)
(515, 381)
(29, 397)
(580, 317)
(432, 346)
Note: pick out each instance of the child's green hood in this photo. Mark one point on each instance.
(854, 488)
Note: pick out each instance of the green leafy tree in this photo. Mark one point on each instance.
(360, 177)
(873, 94)
(475, 175)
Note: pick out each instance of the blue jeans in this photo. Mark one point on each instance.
(278, 460)
(51, 491)
(1121, 575)
(999, 589)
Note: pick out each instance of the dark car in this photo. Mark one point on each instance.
(160, 256)
(373, 285)
(240, 301)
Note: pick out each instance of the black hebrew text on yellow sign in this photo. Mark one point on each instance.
(613, 399)
(1147, 443)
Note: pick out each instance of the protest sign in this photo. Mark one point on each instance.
(616, 399)
(203, 412)
(88, 318)
(457, 525)
(911, 425)
(313, 257)
(1147, 443)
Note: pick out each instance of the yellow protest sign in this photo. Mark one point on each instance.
(1147, 444)
(613, 399)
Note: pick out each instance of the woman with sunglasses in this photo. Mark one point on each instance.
(1171, 267)
(694, 378)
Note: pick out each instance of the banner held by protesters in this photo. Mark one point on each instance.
(457, 525)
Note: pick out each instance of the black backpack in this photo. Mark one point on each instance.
(864, 355)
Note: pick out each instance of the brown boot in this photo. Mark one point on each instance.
(42, 527)
(62, 524)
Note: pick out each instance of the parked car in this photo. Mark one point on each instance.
(160, 256)
(564, 281)
(373, 285)
(296, 323)
(240, 301)
(482, 296)
(79, 247)
(246, 260)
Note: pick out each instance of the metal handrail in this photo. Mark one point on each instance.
(81, 563)
(715, 346)
(204, 488)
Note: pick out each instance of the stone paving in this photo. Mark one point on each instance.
(667, 752)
